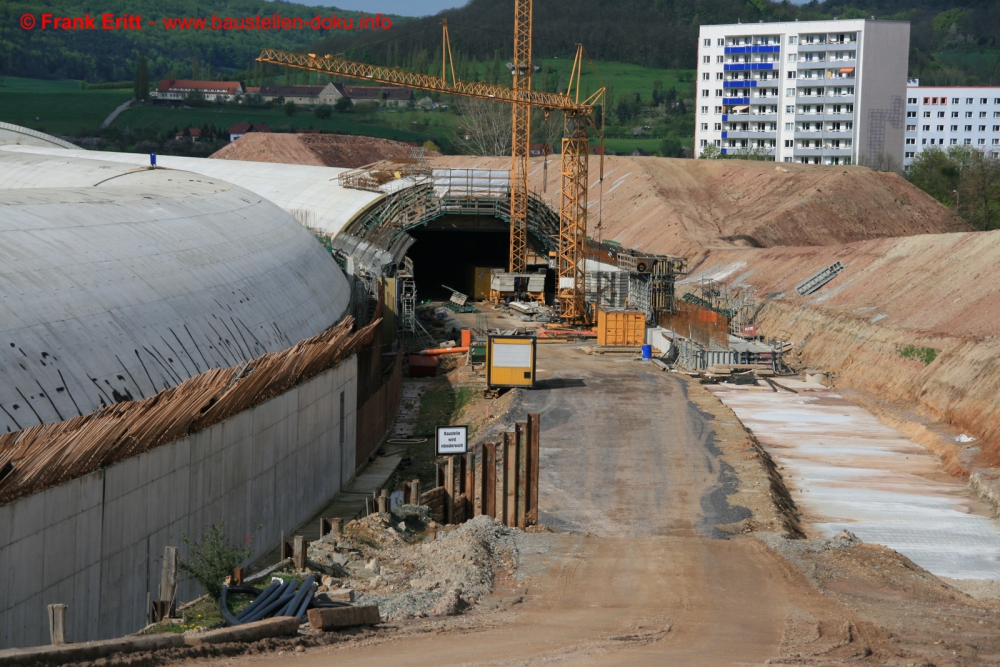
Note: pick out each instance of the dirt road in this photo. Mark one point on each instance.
(633, 477)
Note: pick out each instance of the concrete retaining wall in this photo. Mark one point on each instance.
(95, 543)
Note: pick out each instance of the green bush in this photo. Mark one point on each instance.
(323, 111)
(924, 354)
(213, 559)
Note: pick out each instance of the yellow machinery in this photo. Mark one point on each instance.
(578, 115)
(510, 361)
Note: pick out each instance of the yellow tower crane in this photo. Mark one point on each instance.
(578, 114)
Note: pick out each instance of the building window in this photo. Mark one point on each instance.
(954, 128)
(996, 128)
(927, 128)
(911, 100)
(952, 142)
(792, 57)
(789, 126)
(911, 128)
(789, 92)
(982, 100)
(954, 114)
(927, 114)
(940, 128)
(968, 128)
(909, 154)
(717, 109)
(923, 142)
(719, 76)
(968, 100)
(968, 114)
(704, 92)
(718, 92)
(792, 39)
(911, 114)
(791, 75)
(982, 128)
(789, 143)
(720, 59)
(707, 42)
(704, 127)
(966, 142)
(704, 142)
(720, 42)
(954, 100)
(996, 100)
(718, 127)
(982, 142)
(706, 59)
(996, 142)
(910, 142)
(705, 76)
(982, 114)
(940, 114)
(718, 142)
(704, 109)
(789, 109)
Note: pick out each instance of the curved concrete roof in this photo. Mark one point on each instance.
(149, 278)
(25, 136)
(311, 194)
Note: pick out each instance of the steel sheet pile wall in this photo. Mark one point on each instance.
(94, 541)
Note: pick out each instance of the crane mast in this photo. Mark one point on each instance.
(521, 138)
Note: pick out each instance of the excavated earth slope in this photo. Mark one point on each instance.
(685, 207)
(330, 150)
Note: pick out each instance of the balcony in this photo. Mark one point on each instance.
(819, 80)
(811, 64)
(814, 47)
(749, 134)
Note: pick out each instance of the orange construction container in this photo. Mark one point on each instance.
(621, 328)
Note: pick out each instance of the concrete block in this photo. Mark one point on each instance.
(88, 538)
(60, 502)
(58, 553)
(26, 568)
(93, 576)
(130, 473)
(111, 526)
(91, 492)
(200, 445)
(28, 516)
(36, 626)
(333, 618)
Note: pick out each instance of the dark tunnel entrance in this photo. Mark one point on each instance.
(451, 257)
(455, 250)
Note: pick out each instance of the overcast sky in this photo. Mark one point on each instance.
(401, 7)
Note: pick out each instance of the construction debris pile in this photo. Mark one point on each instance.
(402, 562)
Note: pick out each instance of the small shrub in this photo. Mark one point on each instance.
(323, 111)
(213, 558)
(924, 354)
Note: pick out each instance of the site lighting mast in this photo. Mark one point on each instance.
(578, 114)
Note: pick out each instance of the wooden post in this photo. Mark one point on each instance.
(489, 480)
(507, 451)
(299, 548)
(449, 491)
(406, 493)
(383, 501)
(237, 576)
(522, 472)
(57, 623)
(512, 467)
(415, 492)
(440, 475)
(470, 483)
(534, 438)
(168, 577)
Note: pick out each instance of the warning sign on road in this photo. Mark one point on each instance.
(452, 440)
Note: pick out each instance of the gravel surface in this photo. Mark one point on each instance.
(390, 560)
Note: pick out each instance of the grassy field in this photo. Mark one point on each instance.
(623, 77)
(225, 116)
(56, 107)
(626, 146)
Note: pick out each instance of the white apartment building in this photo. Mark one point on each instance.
(815, 92)
(945, 116)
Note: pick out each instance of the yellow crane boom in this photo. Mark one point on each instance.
(578, 116)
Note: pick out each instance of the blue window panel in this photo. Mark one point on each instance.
(725, 135)
(725, 118)
(723, 151)
(736, 100)
(763, 66)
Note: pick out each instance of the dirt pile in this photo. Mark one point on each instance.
(390, 560)
(330, 150)
(684, 207)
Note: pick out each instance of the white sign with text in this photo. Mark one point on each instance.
(452, 440)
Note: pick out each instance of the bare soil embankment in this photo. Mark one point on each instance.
(928, 291)
(684, 207)
(320, 150)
